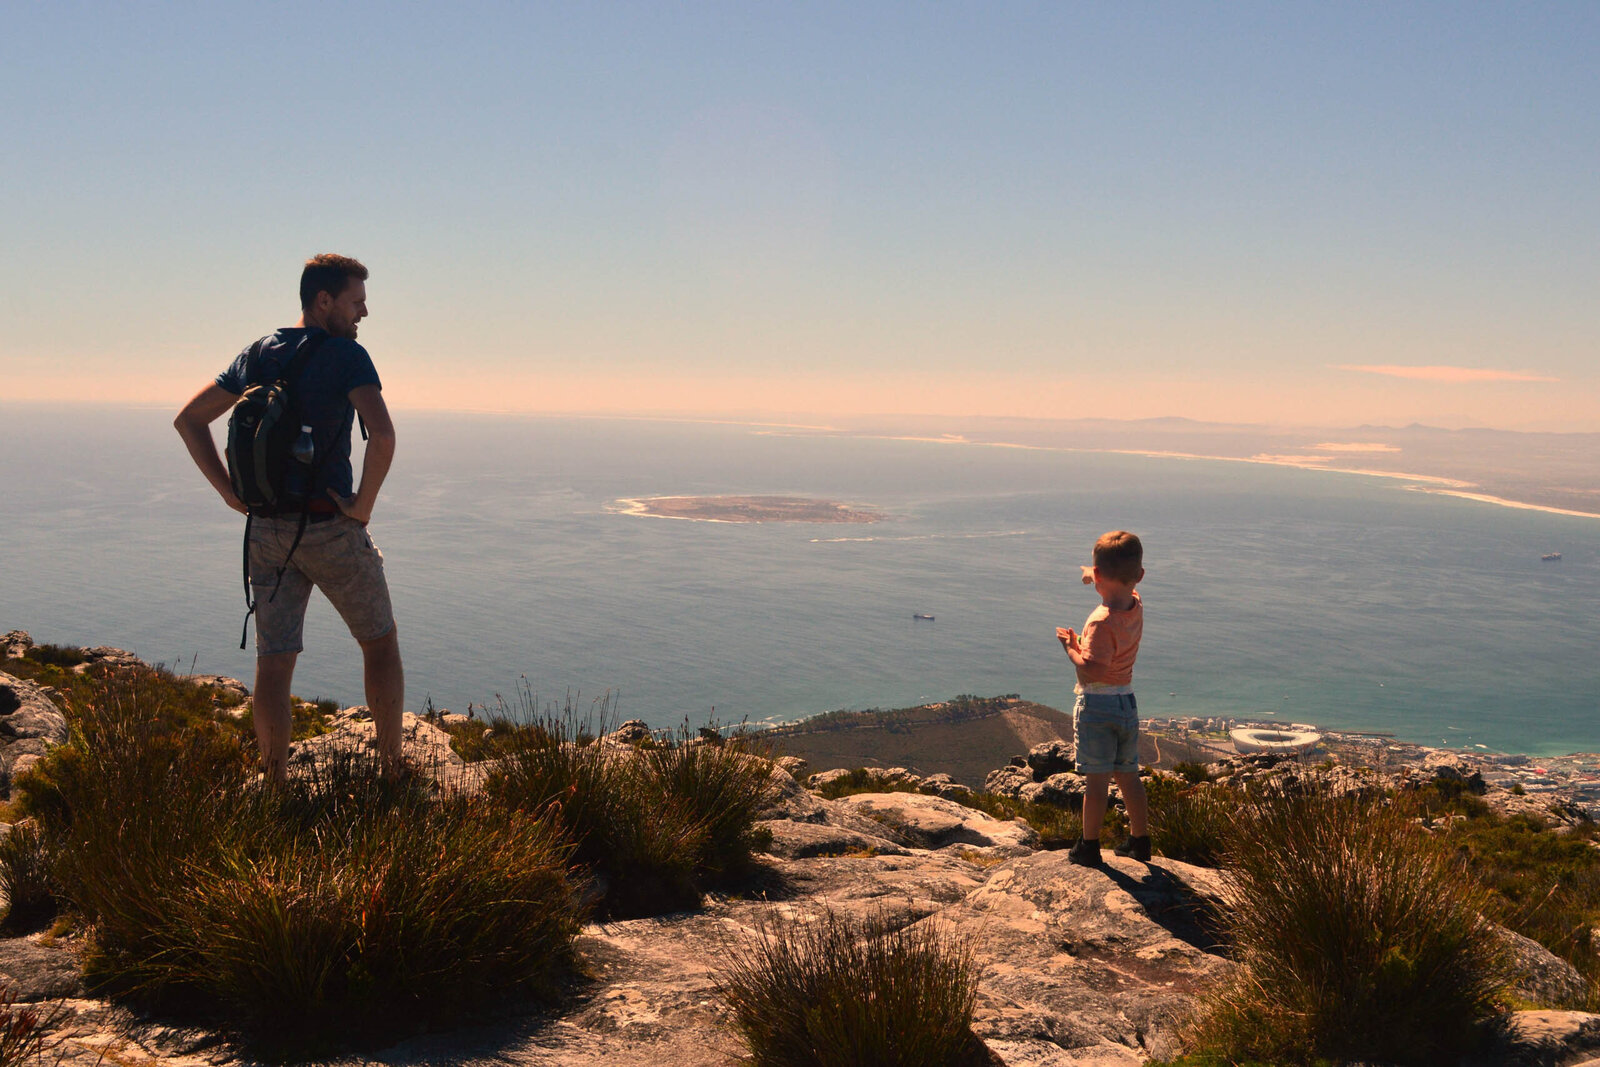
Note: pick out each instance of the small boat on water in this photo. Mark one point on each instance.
(921, 616)
(1551, 557)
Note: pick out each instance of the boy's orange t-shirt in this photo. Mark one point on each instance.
(1110, 643)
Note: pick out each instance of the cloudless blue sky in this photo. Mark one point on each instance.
(1044, 209)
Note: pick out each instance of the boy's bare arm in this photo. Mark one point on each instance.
(1069, 642)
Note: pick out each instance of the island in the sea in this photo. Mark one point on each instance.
(746, 509)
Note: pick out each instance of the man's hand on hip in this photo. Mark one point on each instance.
(353, 507)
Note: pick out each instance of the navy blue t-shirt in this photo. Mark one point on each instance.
(322, 392)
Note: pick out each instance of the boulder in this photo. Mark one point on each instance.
(423, 745)
(879, 777)
(15, 643)
(1050, 758)
(793, 765)
(935, 823)
(1542, 976)
(1546, 1039)
(106, 656)
(1086, 965)
(1062, 790)
(37, 968)
(806, 840)
(1008, 780)
(30, 725)
(26, 713)
(942, 785)
(632, 732)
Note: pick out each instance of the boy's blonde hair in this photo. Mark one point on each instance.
(1120, 556)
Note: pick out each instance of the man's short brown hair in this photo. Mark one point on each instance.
(328, 273)
(1120, 556)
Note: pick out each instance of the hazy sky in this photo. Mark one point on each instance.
(1332, 213)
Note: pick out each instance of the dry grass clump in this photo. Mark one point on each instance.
(655, 824)
(27, 879)
(1359, 939)
(832, 993)
(1191, 823)
(342, 909)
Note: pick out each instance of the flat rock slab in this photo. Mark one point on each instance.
(1548, 1039)
(37, 968)
(1087, 965)
(933, 822)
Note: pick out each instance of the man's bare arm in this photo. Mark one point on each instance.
(368, 401)
(194, 426)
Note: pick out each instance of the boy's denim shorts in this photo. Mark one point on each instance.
(338, 557)
(1106, 726)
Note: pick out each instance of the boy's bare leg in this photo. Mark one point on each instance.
(1131, 786)
(1094, 804)
(385, 679)
(270, 709)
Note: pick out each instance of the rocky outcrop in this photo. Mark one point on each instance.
(935, 823)
(1080, 965)
(30, 723)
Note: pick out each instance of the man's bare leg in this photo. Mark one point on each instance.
(270, 709)
(385, 678)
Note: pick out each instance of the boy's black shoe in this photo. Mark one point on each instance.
(1137, 848)
(1085, 853)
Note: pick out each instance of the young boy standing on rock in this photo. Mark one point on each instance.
(1105, 717)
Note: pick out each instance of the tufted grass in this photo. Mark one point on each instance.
(1359, 938)
(832, 993)
(1190, 823)
(27, 879)
(339, 910)
(22, 1030)
(656, 824)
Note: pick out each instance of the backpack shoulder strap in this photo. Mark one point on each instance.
(302, 355)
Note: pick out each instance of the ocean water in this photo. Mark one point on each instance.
(1341, 600)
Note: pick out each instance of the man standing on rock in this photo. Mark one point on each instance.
(334, 553)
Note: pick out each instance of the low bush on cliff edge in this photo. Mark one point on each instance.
(1359, 938)
(345, 907)
(655, 825)
(1541, 883)
(830, 992)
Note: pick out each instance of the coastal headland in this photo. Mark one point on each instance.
(746, 509)
(968, 737)
(1551, 472)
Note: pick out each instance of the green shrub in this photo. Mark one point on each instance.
(379, 913)
(1541, 883)
(862, 780)
(655, 825)
(1359, 939)
(831, 993)
(56, 655)
(341, 908)
(1193, 773)
(475, 740)
(724, 785)
(26, 879)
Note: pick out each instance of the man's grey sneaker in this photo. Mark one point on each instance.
(1085, 853)
(1135, 848)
